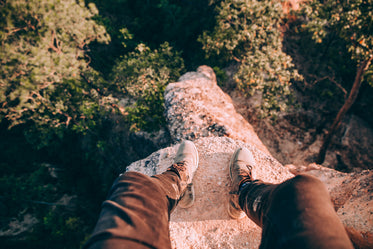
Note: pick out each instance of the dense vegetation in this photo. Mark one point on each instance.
(248, 32)
(78, 79)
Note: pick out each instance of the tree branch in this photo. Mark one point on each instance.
(346, 106)
(331, 80)
(54, 41)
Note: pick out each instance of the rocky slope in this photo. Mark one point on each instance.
(197, 109)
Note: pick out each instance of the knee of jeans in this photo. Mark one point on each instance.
(297, 194)
(307, 181)
(132, 176)
(301, 185)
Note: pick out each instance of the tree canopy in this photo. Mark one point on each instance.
(248, 32)
(80, 79)
(43, 60)
(352, 22)
(349, 20)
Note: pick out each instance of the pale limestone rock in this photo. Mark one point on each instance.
(197, 109)
(207, 224)
(352, 194)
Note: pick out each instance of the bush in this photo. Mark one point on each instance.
(42, 57)
(153, 22)
(142, 76)
(248, 32)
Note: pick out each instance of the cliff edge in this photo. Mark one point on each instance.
(198, 110)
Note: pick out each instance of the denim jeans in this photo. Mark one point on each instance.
(137, 212)
(297, 213)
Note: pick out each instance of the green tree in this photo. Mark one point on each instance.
(49, 96)
(42, 57)
(153, 22)
(351, 21)
(248, 32)
(142, 76)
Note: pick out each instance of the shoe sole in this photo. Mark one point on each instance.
(233, 158)
(242, 213)
(190, 188)
(189, 191)
(238, 215)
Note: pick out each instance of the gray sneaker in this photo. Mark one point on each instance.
(185, 165)
(240, 167)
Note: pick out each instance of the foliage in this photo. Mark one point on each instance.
(50, 98)
(32, 186)
(350, 20)
(327, 67)
(143, 75)
(42, 60)
(70, 94)
(248, 32)
(343, 32)
(153, 23)
(60, 226)
(28, 187)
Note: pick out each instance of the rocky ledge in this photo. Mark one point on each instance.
(198, 110)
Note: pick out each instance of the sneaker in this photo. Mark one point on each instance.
(185, 165)
(240, 167)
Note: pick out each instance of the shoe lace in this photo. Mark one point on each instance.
(179, 166)
(245, 172)
(247, 177)
(249, 167)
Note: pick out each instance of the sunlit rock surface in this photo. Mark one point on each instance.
(198, 110)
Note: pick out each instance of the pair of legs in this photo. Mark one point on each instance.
(297, 213)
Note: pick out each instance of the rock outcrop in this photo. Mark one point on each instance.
(197, 107)
(198, 110)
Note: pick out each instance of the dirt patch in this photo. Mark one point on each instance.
(297, 137)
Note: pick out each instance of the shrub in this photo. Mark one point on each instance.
(42, 57)
(248, 32)
(350, 21)
(142, 76)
